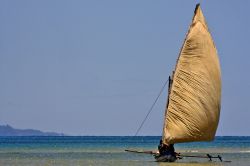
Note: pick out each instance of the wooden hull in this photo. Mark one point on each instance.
(165, 158)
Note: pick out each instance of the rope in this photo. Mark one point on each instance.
(151, 108)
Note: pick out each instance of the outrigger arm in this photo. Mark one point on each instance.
(180, 156)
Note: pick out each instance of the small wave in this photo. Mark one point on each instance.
(190, 151)
(245, 151)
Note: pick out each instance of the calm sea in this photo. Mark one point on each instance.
(88, 150)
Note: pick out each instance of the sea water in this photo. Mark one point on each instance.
(109, 150)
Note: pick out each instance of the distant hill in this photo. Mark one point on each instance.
(7, 130)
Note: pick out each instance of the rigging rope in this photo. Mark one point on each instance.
(151, 108)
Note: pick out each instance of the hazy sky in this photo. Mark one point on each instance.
(94, 67)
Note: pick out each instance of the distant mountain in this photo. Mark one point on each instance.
(7, 130)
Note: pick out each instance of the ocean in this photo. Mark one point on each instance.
(109, 150)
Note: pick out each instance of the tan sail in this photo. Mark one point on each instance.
(193, 111)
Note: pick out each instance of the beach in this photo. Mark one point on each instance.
(109, 150)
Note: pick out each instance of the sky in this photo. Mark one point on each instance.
(95, 67)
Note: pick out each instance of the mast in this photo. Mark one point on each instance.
(193, 104)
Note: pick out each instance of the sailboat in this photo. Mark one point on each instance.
(194, 95)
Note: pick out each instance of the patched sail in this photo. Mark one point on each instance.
(193, 109)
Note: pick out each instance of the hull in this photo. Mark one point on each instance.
(165, 158)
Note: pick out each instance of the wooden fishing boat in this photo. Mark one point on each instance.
(194, 95)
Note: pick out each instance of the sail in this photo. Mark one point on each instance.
(193, 109)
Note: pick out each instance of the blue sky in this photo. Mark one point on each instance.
(95, 67)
